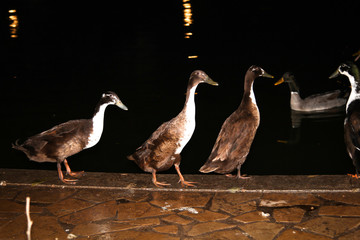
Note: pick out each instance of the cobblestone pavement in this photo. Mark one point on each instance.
(62, 212)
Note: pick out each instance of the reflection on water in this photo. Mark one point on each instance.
(297, 117)
(14, 23)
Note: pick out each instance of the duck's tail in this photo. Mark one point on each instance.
(17, 146)
(130, 157)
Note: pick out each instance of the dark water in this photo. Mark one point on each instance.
(65, 56)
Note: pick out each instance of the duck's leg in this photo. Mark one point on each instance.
(73, 174)
(61, 176)
(238, 175)
(156, 183)
(182, 180)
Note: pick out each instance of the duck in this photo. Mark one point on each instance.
(237, 132)
(69, 138)
(314, 103)
(352, 118)
(162, 149)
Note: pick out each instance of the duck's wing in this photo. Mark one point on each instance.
(352, 137)
(160, 146)
(232, 144)
(58, 142)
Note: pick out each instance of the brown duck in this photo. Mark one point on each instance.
(162, 150)
(237, 132)
(69, 138)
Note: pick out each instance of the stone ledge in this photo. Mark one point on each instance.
(206, 183)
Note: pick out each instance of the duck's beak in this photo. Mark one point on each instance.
(121, 105)
(281, 80)
(335, 74)
(357, 55)
(211, 82)
(265, 74)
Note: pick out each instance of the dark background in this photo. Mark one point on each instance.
(66, 55)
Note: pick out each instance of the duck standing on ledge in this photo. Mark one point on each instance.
(69, 138)
(316, 102)
(163, 148)
(352, 119)
(237, 132)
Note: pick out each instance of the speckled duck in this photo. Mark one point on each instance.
(316, 102)
(237, 132)
(162, 150)
(69, 138)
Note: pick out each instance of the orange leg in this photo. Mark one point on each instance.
(73, 174)
(357, 176)
(61, 176)
(158, 184)
(182, 180)
(238, 175)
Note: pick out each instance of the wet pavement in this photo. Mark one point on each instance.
(127, 206)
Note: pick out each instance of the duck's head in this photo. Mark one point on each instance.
(286, 77)
(258, 72)
(199, 76)
(289, 78)
(110, 98)
(348, 69)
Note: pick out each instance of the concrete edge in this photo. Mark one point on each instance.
(206, 183)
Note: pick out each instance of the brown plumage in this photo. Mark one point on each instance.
(237, 132)
(162, 150)
(69, 138)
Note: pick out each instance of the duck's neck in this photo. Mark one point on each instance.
(249, 91)
(294, 89)
(189, 107)
(355, 89)
(97, 125)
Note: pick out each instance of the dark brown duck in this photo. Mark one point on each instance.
(69, 138)
(162, 150)
(237, 132)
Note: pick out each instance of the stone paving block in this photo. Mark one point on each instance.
(207, 227)
(235, 207)
(89, 229)
(139, 210)
(288, 199)
(131, 235)
(262, 230)
(103, 195)
(169, 229)
(233, 234)
(45, 195)
(344, 211)
(177, 220)
(174, 200)
(349, 198)
(351, 236)
(256, 216)
(205, 216)
(98, 212)
(44, 227)
(288, 215)
(8, 192)
(329, 226)
(294, 234)
(7, 206)
(68, 206)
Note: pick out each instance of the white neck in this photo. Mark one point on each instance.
(97, 127)
(354, 94)
(252, 94)
(190, 104)
(189, 121)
